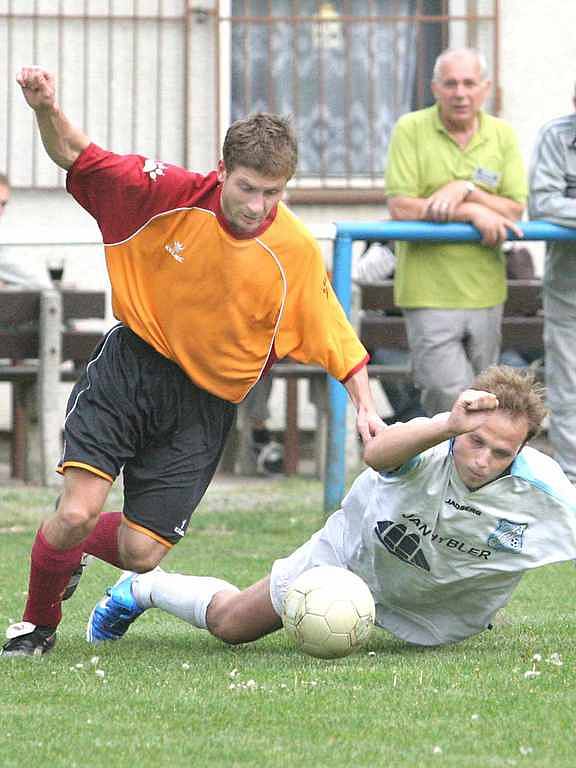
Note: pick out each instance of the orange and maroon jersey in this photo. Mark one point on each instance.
(221, 306)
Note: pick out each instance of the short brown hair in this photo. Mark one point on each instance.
(518, 391)
(264, 142)
(4, 181)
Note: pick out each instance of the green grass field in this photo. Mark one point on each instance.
(168, 695)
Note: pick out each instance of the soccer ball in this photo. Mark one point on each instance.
(328, 612)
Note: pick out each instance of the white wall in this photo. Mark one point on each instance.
(537, 64)
(537, 70)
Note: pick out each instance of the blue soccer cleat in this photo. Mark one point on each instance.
(112, 615)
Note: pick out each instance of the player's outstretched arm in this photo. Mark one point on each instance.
(62, 141)
(400, 442)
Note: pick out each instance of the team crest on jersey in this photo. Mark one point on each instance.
(175, 250)
(508, 536)
(154, 168)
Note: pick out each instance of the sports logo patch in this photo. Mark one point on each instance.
(508, 536)
(154, 168)
(400, 543)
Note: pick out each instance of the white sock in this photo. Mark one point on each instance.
(186, 597)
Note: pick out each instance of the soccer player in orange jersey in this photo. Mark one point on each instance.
(213, 280)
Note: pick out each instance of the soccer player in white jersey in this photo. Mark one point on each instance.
(452, 512)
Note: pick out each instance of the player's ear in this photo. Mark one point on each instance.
(221, 171)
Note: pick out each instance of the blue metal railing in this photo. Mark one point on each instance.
(346, 233)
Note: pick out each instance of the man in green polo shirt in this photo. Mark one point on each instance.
(454, 162)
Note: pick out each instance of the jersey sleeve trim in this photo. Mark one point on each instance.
(356, 368)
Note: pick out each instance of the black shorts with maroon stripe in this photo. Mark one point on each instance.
(135, 410)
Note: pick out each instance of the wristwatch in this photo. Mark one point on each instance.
(470, 187)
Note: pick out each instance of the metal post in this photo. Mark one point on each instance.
(337, 397)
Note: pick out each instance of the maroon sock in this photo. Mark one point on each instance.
(103, 541)
(50, 571)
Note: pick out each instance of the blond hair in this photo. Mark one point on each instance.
(519, 393)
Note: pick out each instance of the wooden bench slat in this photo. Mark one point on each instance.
(83, 305)
(19, 307)
(522, 333)
(19, 345)
(79, 345)
(524, 297)
(382, 331)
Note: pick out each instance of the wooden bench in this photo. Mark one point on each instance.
(40, 346)
(380, 323)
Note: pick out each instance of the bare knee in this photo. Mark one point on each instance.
(75, 515)
(139, 552)
(82, 500)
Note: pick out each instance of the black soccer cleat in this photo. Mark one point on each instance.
(26, 639)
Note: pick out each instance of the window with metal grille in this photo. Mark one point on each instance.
(346, 70)
(165, 77)
(119, 67)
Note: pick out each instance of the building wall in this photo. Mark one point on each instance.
(538, 64)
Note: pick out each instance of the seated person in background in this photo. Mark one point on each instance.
(452, 513)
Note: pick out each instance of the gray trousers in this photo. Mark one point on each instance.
(560, 357)
(449, 348)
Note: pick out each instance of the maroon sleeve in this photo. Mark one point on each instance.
(123, 192)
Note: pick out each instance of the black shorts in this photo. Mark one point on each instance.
(135, 410)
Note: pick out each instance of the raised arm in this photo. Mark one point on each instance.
(400, 442)
(62, 141)
(368, 422)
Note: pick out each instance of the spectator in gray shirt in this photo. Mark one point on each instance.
(553, 197)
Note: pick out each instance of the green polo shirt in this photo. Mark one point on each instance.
(423, 157)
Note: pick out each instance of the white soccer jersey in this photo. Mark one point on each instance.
(441, 559)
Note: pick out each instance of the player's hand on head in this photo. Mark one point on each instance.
(477, 400)
(471, 410)
(37, 86)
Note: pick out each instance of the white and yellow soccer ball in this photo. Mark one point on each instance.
(328, 612)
